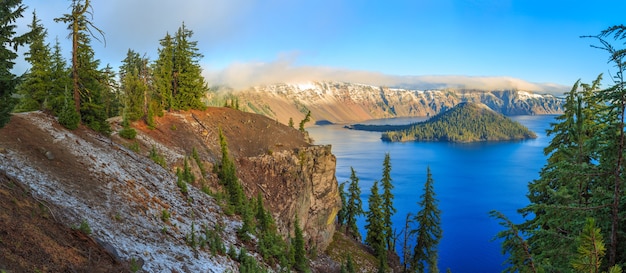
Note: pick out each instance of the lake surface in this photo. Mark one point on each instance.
(469, 179)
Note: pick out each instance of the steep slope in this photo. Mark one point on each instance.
(465, 122)
(349, 102)
(294, 177)
(122, 195)
(31, 240)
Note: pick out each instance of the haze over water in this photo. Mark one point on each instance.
(470, 180)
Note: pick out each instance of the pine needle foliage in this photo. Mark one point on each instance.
(428, 232)
(354, 207)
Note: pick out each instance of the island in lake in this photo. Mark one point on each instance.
(465, 122)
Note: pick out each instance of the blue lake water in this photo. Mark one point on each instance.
(470, 180)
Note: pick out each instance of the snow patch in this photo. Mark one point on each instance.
(125, 210)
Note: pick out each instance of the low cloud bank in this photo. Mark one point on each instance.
(243, 75)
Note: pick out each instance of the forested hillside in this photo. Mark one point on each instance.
(466, 122)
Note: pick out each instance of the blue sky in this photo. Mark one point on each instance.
(533, 44)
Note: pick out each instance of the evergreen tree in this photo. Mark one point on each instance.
(375, 227)
(428, 231)
(61, 82)
(515, 245)
(290, 122)
(341, 215)
(68, 117)
(228, 177)
(354, 206)
(135, 79)
(406, 249)
(350, 265)
(387, 197)
(189, 86)
(111, 97)
(613, 138)
(247, 218)
(91, 81)
(78, 24)
(37, 81)
(306, 119)
(300, 261)
(10, 11)
(565, 180)
(163, 69)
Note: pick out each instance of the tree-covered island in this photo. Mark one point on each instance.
(465, 122)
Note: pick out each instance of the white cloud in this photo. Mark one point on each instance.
(282, 70)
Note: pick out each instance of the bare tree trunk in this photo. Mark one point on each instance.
(77, 13)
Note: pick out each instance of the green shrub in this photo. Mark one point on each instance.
(128, 133)
(157, 158)
(133, 147)
(68, 117)
(165, 215)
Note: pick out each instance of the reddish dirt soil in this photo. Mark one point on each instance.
(32, 240)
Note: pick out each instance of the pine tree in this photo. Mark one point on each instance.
(134, 78)
(566, 181)
(350, 264)
(306, 119)
(111, 97)
(341, 215)
(613, 137)
(163, 70)
(300, 260)
(78, 24)
(37, 81)
(61, 81)
(375, 227)
(10, 11)
(388, 209)
(428, 231)
(228, 177)
(354, 206)
(188, 84)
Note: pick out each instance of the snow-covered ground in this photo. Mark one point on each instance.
(124, 203)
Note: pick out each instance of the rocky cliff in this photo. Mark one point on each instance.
(299, 183)
(348, 102)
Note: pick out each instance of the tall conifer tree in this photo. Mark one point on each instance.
(61, 80)
(163, 70)
(387, 197)
(78, 24)
(429, 231)
(341, 215)
(375, 226)
(189, 85)
(10, 11)
(37, 81)
(354, 206)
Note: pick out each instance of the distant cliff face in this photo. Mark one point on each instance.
(348, 102)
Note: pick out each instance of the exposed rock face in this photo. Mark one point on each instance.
(348, 102)
(298, 183)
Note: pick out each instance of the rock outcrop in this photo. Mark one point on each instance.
(298, 183)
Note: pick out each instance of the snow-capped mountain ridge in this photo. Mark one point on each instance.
(341, 102)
